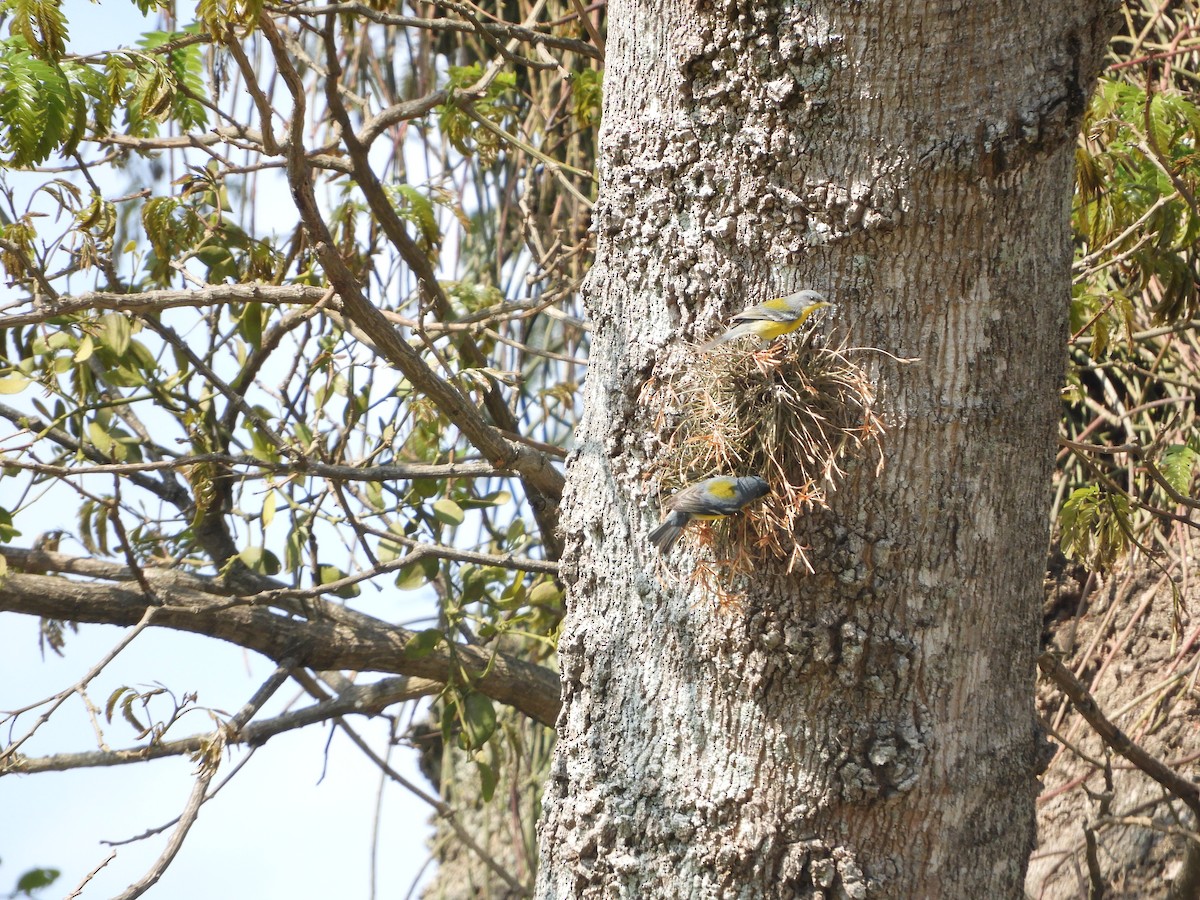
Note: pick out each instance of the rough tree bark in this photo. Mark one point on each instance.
(867, 730)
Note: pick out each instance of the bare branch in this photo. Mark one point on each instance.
(1114, 737)
(332, 637)
(543, 481)
(139, 625)
(544, 490)
(367, 700)
(216, 295)
(333, 472)
(495, 29)
(186, 820)
(590, 26)
(165, 490)
(156, 301)
(90, 875)
(444, 811)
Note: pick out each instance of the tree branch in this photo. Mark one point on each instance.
(331, 637)
(1114, 737)
(333, 472)
(366, 699)
(186, 820)
(496, 29)
(140, 625)
(540, 476)
(542, 494)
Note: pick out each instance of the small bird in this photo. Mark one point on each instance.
(769, 320)
(712, 499)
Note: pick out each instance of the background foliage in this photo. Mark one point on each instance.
(292, 327)
(181, 223)
(1119, 608)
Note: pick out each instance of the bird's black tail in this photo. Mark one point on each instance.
(667, 534)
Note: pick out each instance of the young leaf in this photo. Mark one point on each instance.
(448, 512)
(260, 560)
(1095, 526)
(329, 574)
(478, 720)
(1177, 464)
(423, 643)
(13, 384)
(488, 779)
(417, 574)
(35, 880)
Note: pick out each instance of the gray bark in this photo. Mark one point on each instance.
(867, 730)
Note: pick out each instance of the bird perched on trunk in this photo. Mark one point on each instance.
(769, 320)
(712, 499)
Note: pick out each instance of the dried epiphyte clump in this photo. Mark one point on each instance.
(791, 413)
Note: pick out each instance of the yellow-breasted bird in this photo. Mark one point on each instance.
(714, 498)
(769, 320)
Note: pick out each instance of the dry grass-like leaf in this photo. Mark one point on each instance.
(792, 413)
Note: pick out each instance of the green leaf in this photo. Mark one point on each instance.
(42, 24)
(546, 593)
(1100, 335)
(514, 595)
(477, 579)
(424, 488)
(587, 94)
(389, 551)
(86, 348)
(7, 531)
(418, 209)
(297, 540)
(488, 779)
(496, 498)
(13, 384)
(1177, 464)
(260, 560)
(100, 438)
(515, 531)
(423, 643)
(329, 574)
(251, 324)
(448, 512)
(478, 720)
(373, 493)
(35, 880)
(216, 15)
(186, 65)
(129, 715)
(459, 127)
(37, 104)
(113, 699)
(1161, 125)
(115, 333)
(417, 574)
(1095, 526)
(219, 262)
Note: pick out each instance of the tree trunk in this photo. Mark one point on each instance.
(866, 730)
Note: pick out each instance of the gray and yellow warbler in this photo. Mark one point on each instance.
(713, 498)
(770, 320)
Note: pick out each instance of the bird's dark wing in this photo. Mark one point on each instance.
(706, 498)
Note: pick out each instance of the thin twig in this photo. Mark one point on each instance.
(186, 820)
(1180, 787)
(57, 700)
(368, 700)
(90, 875)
